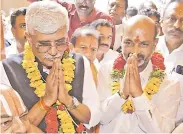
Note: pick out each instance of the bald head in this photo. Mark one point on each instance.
(139, 37)
(141, 23)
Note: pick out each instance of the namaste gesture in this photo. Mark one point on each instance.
(132, 84)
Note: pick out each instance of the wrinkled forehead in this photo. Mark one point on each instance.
(11, 103)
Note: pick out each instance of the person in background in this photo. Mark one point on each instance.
(148, 4)
(130, 12)
(171, 45)
(117, 10)
(18, 26)
(13, 115)
(154, 15)
(85, 41)
(104, 53)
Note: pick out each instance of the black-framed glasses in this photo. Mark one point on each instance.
(44, 47)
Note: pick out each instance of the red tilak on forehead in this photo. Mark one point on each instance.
(137, 39)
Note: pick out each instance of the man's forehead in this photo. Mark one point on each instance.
(175, 8)
(117, 1)
(86, 39)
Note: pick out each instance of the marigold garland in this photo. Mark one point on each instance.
(68, 67)
(153, 85)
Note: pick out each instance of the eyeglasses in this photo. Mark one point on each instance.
(44, 47)
(88, 1)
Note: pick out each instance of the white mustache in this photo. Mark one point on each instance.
(52, 57)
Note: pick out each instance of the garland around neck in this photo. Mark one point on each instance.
(58, 113)
(153, 85)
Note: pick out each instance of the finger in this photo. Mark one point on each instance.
(127, 82)
(51, 73)
(61, 77)
(56, 69)
(135, 67)
(129, 60)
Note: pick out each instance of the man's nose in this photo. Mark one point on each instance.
(136, 49)
(53, 50)
(178, 24)
(89, 54)
(18, 126)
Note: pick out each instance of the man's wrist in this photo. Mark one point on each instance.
(137, 94)
(43, 105)
(47, 101)
(122, 95)
(74, 104)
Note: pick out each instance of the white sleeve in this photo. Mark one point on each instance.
(4, 79)
(110, 104)
(158, 115)
(90, 96)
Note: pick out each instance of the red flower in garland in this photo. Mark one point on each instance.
(61, 107)
(157, 61)
(80, 128)
(119, 63)
(51, 121)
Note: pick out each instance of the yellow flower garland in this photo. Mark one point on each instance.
(152, 87)
(31, 68)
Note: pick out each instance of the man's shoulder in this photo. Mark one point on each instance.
(113, 52)
(107, 67)
(102, 15)
(15, 58)
(161, 42)
(170, 83)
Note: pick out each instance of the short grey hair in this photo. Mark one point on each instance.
(46, 17)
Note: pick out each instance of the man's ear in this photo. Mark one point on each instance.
(71, 46)
(155, 43)
(161, 22)
(28, 38)
(13, 31)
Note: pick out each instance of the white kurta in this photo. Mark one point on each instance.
(90, 95)
(111, 55)
(172, 60)
(118, 36)
(156, 115)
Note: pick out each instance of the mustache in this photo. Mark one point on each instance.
(83, 6)
(103, 44)
(52, 57)
(139, 56)
(176, 30)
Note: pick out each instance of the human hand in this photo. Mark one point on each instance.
(52, 84)
(134, 78)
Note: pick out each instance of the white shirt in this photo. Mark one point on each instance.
(172, 60)
(111, 55)
(150, 115)
(11, 50)
(118, 36)
(90, 95)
